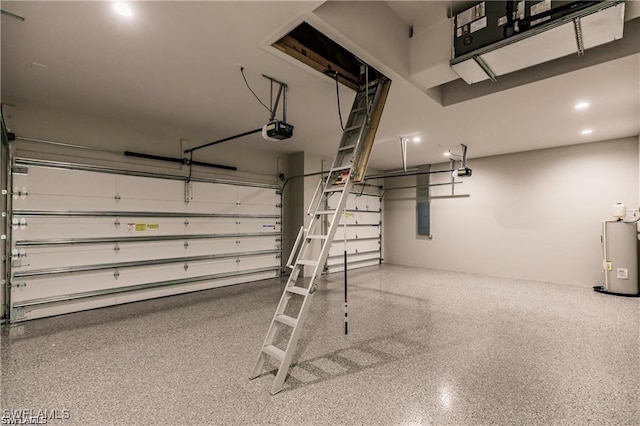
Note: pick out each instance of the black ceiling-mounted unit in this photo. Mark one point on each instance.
(493, 38)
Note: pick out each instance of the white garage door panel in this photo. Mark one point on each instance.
(149, 250)
(361, 218)
(145, 274)
(75, 183)
(210, 246)
(335, 198)
(211, 207)
(217, 225)
(65, 203)
(58, 285)
(352, 258)
(93, 303)
(90, 227)
(337, 247)
(78, 282)
(358, 202)
(367, 218)
(258, 197)
(368, 203)
(149, 226)
(90, 254)
(258, 243)
(60, 227)
(149, 189)
(165, 206)
(256, 209)
(207, 193)
(247, 225)
(209, 267)
(354, 232)
(255, 262)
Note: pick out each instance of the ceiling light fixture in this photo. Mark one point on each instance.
(581, 105)
(416, 139)
(587, 131)
(123, 9)
(447, 154)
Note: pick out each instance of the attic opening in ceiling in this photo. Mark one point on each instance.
(315, 49)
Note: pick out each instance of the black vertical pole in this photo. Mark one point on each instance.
(346, 312)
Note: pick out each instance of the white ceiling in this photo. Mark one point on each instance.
(420, 14)
(176, 63)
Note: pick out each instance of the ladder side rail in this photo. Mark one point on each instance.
(315, 195)
(295, 247)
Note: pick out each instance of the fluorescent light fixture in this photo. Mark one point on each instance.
(123, 9)
(581, 105)
(587, 131)
(416, 139)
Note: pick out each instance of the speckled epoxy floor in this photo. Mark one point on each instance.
(425, 347)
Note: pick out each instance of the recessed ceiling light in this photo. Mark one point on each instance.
(581, 105)
(447, 154)
(587, 131)
(123, 9)
(416, 139)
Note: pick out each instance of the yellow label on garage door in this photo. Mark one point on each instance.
(153, 226)
(141, 227)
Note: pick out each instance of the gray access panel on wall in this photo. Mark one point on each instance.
(422, 202)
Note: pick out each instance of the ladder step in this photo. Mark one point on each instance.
(274, 352)
(340, 168)
(286, 320)
(359, 110)
(368, 92)
(335, 189)
(297, 290)
(317, 237)
(325, 212)
(351, 129)
(346, 148)
(307, 262)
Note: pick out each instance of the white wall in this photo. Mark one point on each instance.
(534, 215)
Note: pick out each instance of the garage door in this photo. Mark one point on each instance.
(83, 239)
(361, 225)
